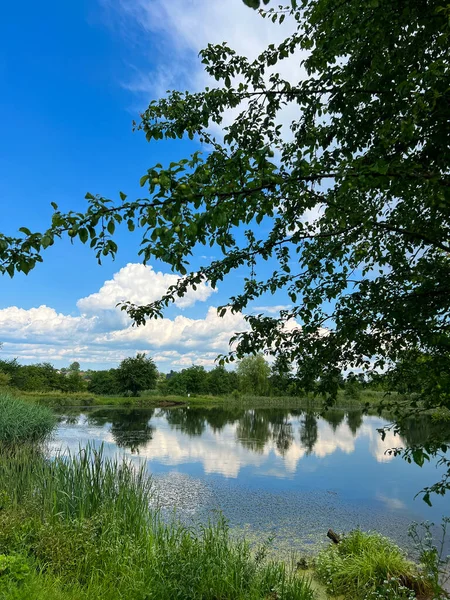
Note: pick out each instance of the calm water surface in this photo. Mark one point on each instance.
(286, 474)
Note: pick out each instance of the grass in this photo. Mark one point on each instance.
(56, 399)
(22, 422)
(369, 566)
(81, 527)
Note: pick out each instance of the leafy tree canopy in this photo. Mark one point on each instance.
(253, 373)
(367, 151)
(136, 374)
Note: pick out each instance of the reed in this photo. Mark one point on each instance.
(21, 422)
(83, 522)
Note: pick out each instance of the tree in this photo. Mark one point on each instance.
(74, 367)
(194, 379)
(281, 376)
(75, 383)
(103, 382)
(367, 153)
(253, 373)
(222, 382)
(176, 384)
(136, 374)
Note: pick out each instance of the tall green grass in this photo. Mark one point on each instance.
(21, 422)
(367, 566)
(84, 525)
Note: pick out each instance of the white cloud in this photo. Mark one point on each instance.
(271, 309)
(179, 29)
(210, 333)
(37, 323)
(103, 335)
(139, 284)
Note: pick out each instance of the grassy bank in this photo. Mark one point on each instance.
(80, 527)
(371, 398)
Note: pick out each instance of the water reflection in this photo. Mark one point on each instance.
(273, 469)
(228, 440)
(130, 429)
(309, 432)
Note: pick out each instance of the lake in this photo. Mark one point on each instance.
(275, 473)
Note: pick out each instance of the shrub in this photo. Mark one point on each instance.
(12, 569)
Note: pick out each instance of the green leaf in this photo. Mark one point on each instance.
(426, 498)
(418, 457)
(47, 241)
(83, 235)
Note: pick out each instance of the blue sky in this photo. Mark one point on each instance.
(73, 77)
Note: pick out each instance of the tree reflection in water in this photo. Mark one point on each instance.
(354, 420)
(255, 429)
(309, 432)
(333, 416)
(130, 429)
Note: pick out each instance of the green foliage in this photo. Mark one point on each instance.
(102, 382)
(368, 566)
(352, 390)
(41, 377)
(368, 145)
(189, 381)
(196, 380)
(21, 422)
(85, 525)
(253, 373)
(13, 568)
(222, 382)
(58, 398)
(282, 382)
(136, 374)
(435, 562)
(5, 379)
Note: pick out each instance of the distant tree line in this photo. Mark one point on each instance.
(253, 376)
(41, 377)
